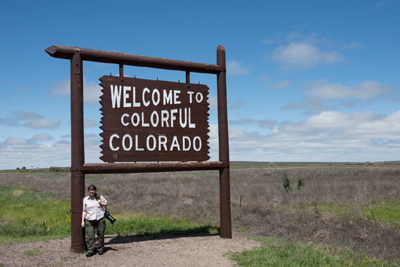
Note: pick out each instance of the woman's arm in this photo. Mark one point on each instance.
(83, 213)
(102, 201)
(83, 218)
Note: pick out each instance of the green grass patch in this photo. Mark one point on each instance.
(33, 216)
(33, 252)
(387, 211)
(29, 216)
(276, 252)
(338, 210)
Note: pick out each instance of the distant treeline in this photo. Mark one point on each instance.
(51, 169)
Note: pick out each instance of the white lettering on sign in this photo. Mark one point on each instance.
(135, 104)
(127, 95)
(190, 93)
(167, 99)
(115, 95)
(181, 116)
(199, 97)
(155, 143)
(111, 142)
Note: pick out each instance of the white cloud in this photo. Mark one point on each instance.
(325, 91)
(301, 52)
(42, 150)
(280, 84)
(41, 137)
(16, 141)
(29, 119)
(265, 123)
(304, 105)
(321, 93)
(327, 136)
(303, 56)
(321, 90)
(315, 39)
(297, 37)
(212, 101)
(15, 154)
(329, 120)
(372, 89)
(235, 68)
(42, 123)
(22, 115)
(91, 90)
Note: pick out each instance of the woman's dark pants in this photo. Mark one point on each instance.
(100, 226)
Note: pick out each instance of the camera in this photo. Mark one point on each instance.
(109, 217)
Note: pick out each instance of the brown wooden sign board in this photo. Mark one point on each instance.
(147, 120)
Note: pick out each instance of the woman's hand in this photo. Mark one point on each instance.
(99, 201)
(83, 224)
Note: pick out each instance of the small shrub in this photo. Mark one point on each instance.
(286, 183)
(300, 184)
(24, 168)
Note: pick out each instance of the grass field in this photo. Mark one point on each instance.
(32, 216)
(343, 213)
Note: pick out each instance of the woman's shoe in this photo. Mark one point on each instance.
(89, 254)
(101, 252)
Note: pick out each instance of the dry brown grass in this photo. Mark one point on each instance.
(260, 205)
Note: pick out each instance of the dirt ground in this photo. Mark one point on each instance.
(130, 251)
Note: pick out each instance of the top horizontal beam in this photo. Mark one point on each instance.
(67, 52)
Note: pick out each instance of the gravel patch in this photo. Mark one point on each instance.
(130, 251)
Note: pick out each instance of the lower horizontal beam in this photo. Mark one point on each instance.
(92, 168)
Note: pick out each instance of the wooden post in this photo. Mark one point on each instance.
(224, 177)
(188, 77)
(77, 155)
(121, 70)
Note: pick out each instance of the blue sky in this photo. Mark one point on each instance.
(307, 80)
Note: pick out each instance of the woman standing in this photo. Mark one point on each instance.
(94, 215)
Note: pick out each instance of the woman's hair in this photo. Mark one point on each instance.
(92, 186)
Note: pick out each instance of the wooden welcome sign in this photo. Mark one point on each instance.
(147, 120)
(162, 124)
